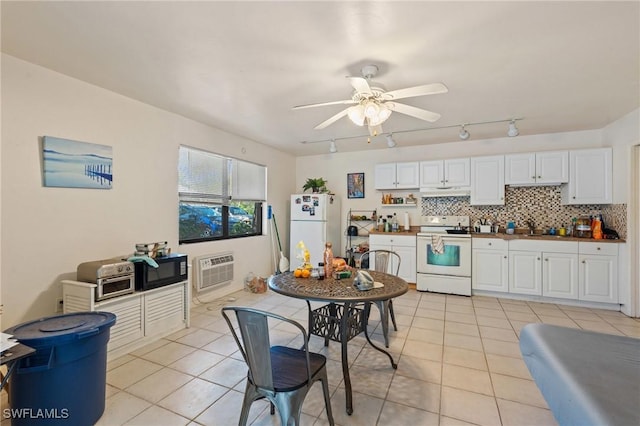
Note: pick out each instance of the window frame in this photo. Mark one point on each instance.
(230, 179)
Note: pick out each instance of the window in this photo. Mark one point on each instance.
(219, 197)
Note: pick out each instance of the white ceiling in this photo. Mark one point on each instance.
(241, 66)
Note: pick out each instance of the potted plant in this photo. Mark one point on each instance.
(315, 184)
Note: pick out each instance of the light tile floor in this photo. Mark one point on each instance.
(458, 363)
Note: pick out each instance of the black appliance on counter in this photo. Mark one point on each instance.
(171, 269)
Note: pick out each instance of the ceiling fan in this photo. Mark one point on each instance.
(373, 105)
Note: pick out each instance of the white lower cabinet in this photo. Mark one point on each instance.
(524, 272)
(585, 271)
(599, 272)
(140, 316)
(544, 268)
(404, 245)
(490, 264)
(560, 275)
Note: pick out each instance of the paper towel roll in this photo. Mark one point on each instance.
(406, 221)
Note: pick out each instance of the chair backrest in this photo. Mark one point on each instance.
(255, 344)
(383, 261)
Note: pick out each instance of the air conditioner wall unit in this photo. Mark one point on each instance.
(212, 271)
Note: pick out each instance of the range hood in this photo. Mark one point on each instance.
(445, 192)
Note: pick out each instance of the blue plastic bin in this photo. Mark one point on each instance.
(64, 381)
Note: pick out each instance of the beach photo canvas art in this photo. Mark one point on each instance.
(73, 164)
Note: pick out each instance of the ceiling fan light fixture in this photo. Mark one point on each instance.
(464, 135)
(371, 110)
(333, 148)
(382, 116)
(513, 130)
(356, 115)
(390, 141)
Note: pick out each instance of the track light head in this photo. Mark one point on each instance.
(390, 142)
(464, 135)
(333, 148)
(513, 130)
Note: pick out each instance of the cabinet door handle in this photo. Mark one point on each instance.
(546, 260)
(584, 261)
(597, 248)
(505, 257)
(538, 258)
(574, 197)
(489, 243)
(539, 177)
(533, 177)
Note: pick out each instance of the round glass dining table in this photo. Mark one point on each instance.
(340, 320)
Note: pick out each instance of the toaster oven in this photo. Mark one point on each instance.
(113, 277)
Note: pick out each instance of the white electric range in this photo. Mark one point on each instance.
(443, 261)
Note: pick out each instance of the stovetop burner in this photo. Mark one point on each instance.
(455, 225)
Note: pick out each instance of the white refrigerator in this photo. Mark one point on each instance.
(315, 219)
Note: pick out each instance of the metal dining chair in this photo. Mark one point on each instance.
(281, 374)
(389, 262)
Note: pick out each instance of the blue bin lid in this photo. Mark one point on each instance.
(62, 329)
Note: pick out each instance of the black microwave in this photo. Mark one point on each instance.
(171, 269)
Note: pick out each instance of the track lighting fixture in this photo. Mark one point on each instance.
(390, 142)
(375, 131)
(333, 148)
(464, 135)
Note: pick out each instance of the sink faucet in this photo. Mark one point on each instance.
(532, 227)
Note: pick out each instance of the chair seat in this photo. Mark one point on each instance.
(289, 367)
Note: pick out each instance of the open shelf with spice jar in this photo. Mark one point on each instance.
(359, 224)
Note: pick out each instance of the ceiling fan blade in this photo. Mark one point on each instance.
(332, 120)
(343, 102)
(422, 114)
(425, 89)
(360, 84)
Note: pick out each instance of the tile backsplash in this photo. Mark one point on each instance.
(523, 203)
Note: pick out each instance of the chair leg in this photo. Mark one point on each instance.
(393, 316)
(250, 395)
(327, 399)
(290, 406)
(384, 319)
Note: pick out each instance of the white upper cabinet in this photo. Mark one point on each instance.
(590, 177)
(397, 175)
(454, 173)
(487, 180)
(537, 168)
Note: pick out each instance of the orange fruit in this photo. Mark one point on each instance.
(297, 273)
(306, 273)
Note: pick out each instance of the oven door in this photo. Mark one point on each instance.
(454, 259)
(114, 286)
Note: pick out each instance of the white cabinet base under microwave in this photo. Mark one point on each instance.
(141, 317)
(444, 284)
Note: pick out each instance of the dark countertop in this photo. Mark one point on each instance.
(519, 236)
(412, 232)
(540, 237)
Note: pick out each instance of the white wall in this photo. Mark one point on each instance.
(47, 232)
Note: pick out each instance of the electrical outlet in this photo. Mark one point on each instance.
(59, 305)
